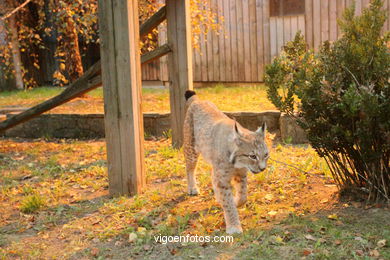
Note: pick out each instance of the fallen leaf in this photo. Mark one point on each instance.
(141, 229)
(333, 217)
(278, 239)
(374, 253)
(94, 251)
(306, 252)
(359, 239)
(324, 201)
(359, 252)
(272, 213)
(337, 242)
(269, 197)
(381, 243)
(310, 237)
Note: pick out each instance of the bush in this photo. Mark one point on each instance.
(343, 96)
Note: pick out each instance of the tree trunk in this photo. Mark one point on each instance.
(16, 58)
(71, 45)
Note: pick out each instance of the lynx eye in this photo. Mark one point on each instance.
(252, 156)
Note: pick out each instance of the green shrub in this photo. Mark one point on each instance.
(344, 99)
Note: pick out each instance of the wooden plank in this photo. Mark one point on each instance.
(162, 39)
(122, 85)
(293, 26)
(260, 41)
(286, 29)
(210, 52)
(140, 178)
(227, 41)
(386, 6)
(215, 46)
(240, 42)
(333, 20)
(234, 39)
(203, 58)
(155, 54)
(273, 37)
(179, 63)
(253, 40)
(266, 32)
(316, 23)
(153, 21)
(340, 11)
(279, 34)
(247, 40)
(196, 64)
(221, 39)
(324, 20)
(388, 15)
(309, 23)
(358, 6)
(301, 24)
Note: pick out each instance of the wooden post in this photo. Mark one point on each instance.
(179, 63)
(121, 77)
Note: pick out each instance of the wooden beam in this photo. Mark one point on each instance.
(153, 21)
(155, 54)
(90, 80)
(179, 63)
(121, 74)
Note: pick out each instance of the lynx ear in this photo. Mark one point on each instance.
(237, 134)
(236, 130)
(261, 130)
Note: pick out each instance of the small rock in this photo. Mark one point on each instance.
(132, 237)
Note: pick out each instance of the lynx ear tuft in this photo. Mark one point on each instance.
(236, 128)
(261, 130)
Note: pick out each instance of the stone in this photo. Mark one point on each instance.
(290, 131)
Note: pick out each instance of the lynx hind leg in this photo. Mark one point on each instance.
(191, 160)
(191, 157)
(240, 186)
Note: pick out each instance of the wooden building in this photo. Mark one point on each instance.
(254, 31)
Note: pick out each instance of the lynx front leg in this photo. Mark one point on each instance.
(240, 186)
(225, 196)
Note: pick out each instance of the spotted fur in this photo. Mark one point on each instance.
(231, 150)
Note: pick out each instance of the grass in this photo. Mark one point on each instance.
(248, 98)
(31, 203)
(289, 215)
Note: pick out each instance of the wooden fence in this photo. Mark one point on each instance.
(251, 37)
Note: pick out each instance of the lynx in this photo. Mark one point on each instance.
(231, 150)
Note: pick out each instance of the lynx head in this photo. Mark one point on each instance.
(251, 150)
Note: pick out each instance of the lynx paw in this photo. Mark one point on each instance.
(193, 191)
(234, 230)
